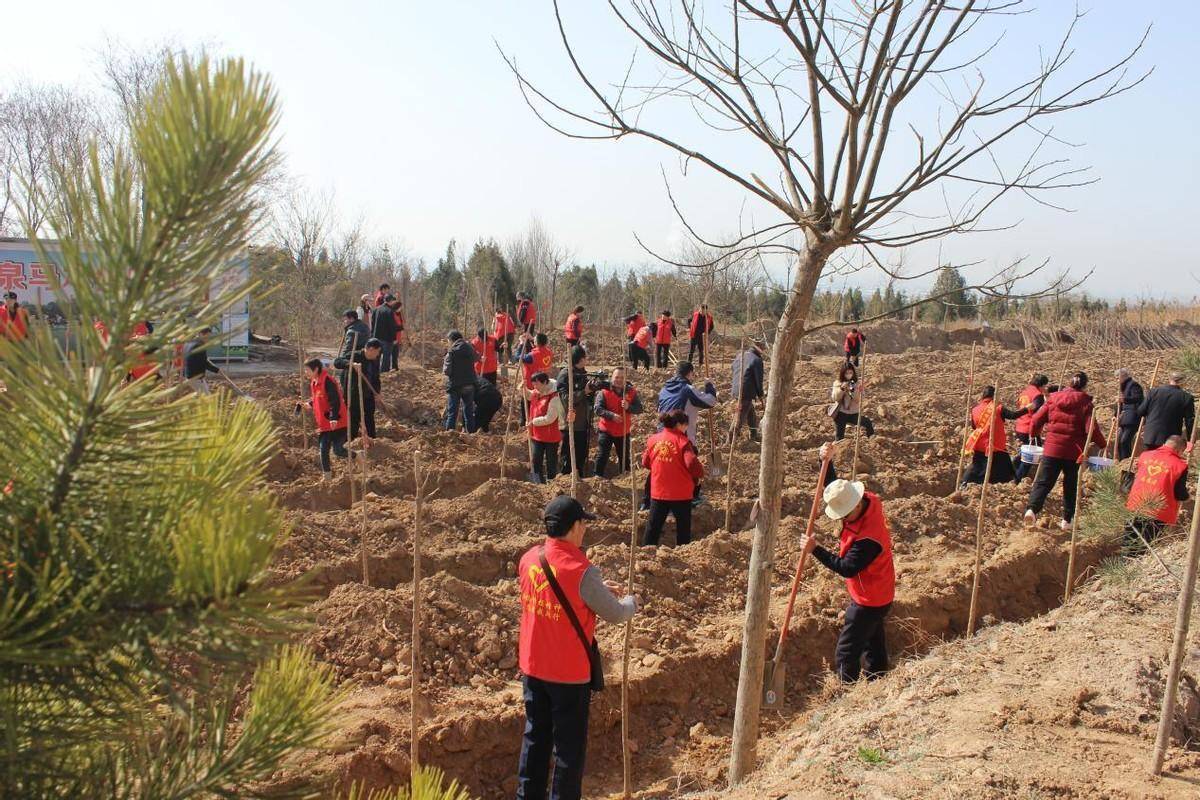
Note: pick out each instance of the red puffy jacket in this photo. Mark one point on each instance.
(1062, 423)
(674, 467)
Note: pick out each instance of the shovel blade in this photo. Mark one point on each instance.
(773, 686)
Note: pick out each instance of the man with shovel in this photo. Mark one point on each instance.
(361, 370)
(864, 559)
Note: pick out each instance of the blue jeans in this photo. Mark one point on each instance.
(556, 723)
(464, 395)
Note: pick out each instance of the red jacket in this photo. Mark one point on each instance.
(145, 362)
(875, 585)
(1026, 400)
(379, 295)
(504, 325)
(537, 408)
(642, 338)
(853, 342)
(14, 325)
(486, 349)
(612, 402)
(542, 361)
(674, 467)
(573, 327)
(1158, 472)
(666, 329)
(399, 315)
(1062, 423)
(634, 325)
(981, 418)
(549, 648)
(324, 391)
(696, 315)
(526, 312)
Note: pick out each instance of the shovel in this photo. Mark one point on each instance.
(773, 682)
(234, 386)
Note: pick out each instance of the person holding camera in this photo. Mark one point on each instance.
(616, 403)
(578, 415)
(847, 396)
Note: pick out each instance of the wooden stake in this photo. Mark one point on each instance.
(349, 432)
(967, 431)
(862, 400)
(362, 421)
(733, 438)
(987, 476)
(1087, 445)
(1183, 617)
(626, 754)
(570, 422)
(414, 722)
(1137, 437)
(508, 417)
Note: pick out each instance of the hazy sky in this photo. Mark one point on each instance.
(408, 113)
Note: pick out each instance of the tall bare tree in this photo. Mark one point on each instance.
(879, 128)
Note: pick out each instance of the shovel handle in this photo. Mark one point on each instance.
(812, 521)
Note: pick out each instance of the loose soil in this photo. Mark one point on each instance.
(687, 636)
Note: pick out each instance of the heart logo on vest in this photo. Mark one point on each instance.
(537, 576)
(1155, 469)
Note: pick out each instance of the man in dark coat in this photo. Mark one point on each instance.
(459, 369)
(747, 387)
(361, 376)
(1127, 416)
(584, 393)
(487, 403)
(354, 335)
(1168, 410)
(383, 328)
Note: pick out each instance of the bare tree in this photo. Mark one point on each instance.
(837, 96)
(538, 254)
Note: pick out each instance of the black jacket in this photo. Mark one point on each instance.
(370, 371)
(747, 381)
(1167, 409)
(1131, 397)
(355, 335)
(196, 361)
(383, 323)
(459, 365)
(584, 391)
(487, 397)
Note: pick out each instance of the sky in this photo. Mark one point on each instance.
(407, 113)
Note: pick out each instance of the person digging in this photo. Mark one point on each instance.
(864, 559)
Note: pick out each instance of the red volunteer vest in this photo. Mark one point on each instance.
(549, 648)
(981, 418)
(663, 336)
(487, 354)
(670, 478)
(853, 341)
(634, 325)
(543, 361)
(526, 312)
(14, 324)
(612, 402)
(504, 324)
(696, 315)
(642, 338)
(145, 363)
(1025, 400)
(379, 295)
(537, 408)
(1157, 473)
(876, 585)
(573, 327)
(399, 323)
(321, 405)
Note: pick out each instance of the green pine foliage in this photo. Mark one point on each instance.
(142, 651)
(427, 784)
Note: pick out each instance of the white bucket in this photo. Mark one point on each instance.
(1031, 453)
(1098, 463)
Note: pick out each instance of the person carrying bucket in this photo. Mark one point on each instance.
(1030, 400)
(990, 435)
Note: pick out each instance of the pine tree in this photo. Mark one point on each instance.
(134, 604)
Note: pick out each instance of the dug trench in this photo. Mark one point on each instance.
(686, 641)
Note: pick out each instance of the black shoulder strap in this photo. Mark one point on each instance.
(562, 600)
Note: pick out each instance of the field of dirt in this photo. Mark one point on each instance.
(687, 638)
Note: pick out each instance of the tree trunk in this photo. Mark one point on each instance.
(784, 351)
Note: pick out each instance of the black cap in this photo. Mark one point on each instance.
(373, 342)
(577, 354)
(561, 513)
(350, 313)
(454, 335)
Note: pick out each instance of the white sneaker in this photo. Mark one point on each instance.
(1030, 518)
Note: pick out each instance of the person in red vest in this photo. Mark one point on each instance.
(145, 364)
(986, 431)
(1062, 421)
(545, 413)
(329, 412)
(615, 406)
(639, 348)
(526, 313)
(1029, 401)
(1161, 482)
(864, 559)
(852, 347)
(675, 470)
(633, 323)
(504, 329)
(534, 355)
(700, 324)
(486, 345)
(398, 315)
(662, 340)
(381, 295)
(573, 327)
(14, 320)
(562, 594)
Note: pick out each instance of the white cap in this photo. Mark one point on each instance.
(842, 497)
